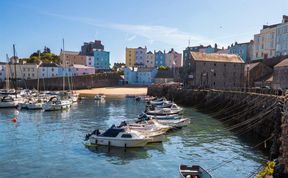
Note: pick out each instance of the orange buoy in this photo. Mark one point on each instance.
(14, 120)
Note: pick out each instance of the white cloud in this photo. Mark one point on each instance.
(131, 38)
(153, 33)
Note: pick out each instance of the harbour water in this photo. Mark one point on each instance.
(50, 144)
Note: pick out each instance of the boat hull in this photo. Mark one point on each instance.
(128, 143)
(12, 104)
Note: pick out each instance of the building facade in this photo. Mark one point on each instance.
(282, 37)
(24, 71)
(71, 57)
(214, 70)
(101, 60)
(242, 49)
(280, 79)
(265, 43)
(130, 57)
(140, 56)
(90, 61)
(48, 70)
(159, 58)
(88, 48)
(2, 71)
(139, 76)
(150, 60)
(173, 59)
(77, 70)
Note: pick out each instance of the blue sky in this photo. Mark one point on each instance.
(157, 24)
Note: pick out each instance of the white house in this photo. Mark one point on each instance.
(48, 70)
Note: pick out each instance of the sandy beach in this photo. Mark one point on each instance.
(114, 91)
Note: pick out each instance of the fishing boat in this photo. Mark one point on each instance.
(194, 171)
(118, 137)
(55, 104)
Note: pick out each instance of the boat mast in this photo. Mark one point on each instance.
(38, 71)
(64, 66)
(7, 73)
(15, 72)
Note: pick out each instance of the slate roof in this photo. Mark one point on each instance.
(283, 63)
(44, 64)
(215, 57)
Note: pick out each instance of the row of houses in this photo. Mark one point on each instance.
(214, 70)
(139, 57)
(272, 41)
(28, 71)
(92, 54)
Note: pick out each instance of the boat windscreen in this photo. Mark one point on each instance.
(112, 132)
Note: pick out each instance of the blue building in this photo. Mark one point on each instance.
(159, 58)
(101, 59)
(139, 76)
(244, 50)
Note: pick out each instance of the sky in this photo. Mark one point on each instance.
(157, 24)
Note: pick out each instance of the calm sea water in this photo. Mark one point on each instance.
(50, 144)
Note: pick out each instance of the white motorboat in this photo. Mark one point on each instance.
(145, 116)
(99, 97)
(9, 102)
(35, 105)
(147, 126)
(163, 111)
(157, 101)
(55, 104)
(118, 137)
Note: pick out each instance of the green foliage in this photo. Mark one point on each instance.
(267, 170)
(163, 68)
(45, 56)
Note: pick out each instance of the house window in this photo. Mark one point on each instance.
(214, 74)
(214, 64)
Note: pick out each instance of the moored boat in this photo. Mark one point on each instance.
(99, 97)
(193, 171)
(9, 102)
(118, 137)
(55, 103)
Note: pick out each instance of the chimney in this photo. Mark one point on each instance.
(285, 19)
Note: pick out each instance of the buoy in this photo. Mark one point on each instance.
(14, 120)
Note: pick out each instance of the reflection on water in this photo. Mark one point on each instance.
(50, 144)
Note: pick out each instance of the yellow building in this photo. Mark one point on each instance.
(265, 43)
(130, 57)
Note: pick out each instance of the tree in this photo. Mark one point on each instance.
(163, 68)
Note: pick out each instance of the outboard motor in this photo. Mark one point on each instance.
(95, 132)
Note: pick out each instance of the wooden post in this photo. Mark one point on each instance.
(284, 136)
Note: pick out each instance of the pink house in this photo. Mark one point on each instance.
(78, 69)
(173, 59)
